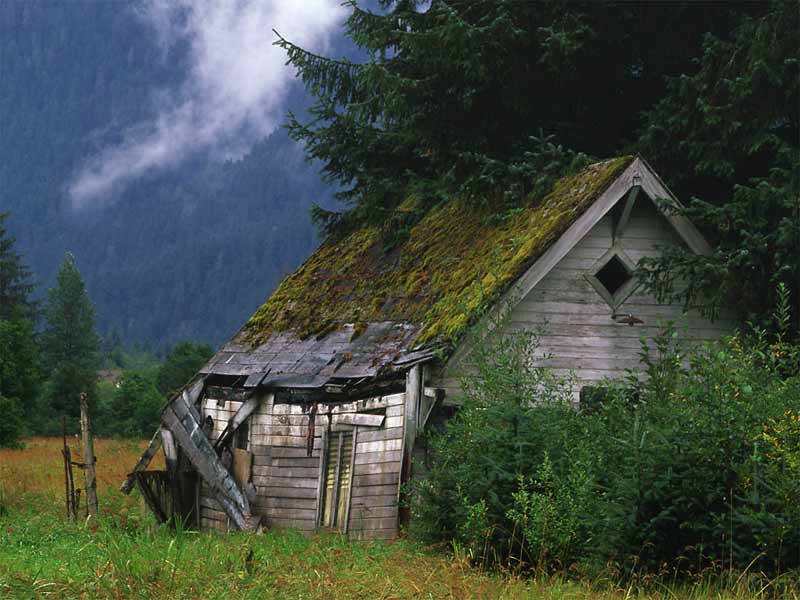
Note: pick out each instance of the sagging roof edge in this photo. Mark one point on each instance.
(191, 394)
(324, 375)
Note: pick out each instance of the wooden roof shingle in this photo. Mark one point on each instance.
(354, 309)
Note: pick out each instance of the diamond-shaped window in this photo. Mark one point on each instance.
(613, 275)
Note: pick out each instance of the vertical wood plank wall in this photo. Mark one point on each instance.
(580, 334)
(288, 481)
(284, 475)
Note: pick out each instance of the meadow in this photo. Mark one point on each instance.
(125, 554)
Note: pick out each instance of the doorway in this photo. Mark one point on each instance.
(336, 489)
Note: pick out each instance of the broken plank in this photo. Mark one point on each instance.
(245, 410)
(179, 419)
(143, 462)
(226, 393)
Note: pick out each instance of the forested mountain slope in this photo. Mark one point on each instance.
(187, 253)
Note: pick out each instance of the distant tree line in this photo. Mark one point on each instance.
(130, 401)
(44, 369)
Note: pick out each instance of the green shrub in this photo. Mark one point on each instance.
(687, 478)
(132, 408)
(498, 438)
(549, 511)
(695, 466)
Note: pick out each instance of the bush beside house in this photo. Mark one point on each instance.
(697, 466)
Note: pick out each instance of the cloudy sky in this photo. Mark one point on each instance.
(234, 93)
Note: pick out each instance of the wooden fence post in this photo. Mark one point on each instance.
(88, 459)
(69, 485)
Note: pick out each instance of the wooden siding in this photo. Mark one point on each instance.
(288, 481)
(376, 475)
(580, 335)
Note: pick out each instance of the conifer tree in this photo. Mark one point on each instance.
(19, 357)
(69, 342)
(15, 278)
(494, 100)
(488, 99)
(728, 135)
(19, 361)
(135, 407)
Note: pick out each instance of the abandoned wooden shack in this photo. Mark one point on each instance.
(309, 417)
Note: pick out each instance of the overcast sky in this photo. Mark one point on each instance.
(234, 92)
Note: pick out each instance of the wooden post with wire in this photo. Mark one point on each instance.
(88, 459)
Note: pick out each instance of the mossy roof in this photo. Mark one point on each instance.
(454, 264)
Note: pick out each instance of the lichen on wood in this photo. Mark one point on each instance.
(453, 265)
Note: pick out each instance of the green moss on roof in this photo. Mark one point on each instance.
(450, 269)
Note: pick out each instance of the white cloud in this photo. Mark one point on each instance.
(234, 93)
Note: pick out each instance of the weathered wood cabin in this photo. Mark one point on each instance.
(309, 417)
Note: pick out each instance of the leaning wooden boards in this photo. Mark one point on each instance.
(291, 485)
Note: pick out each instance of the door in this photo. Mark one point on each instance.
(336, 491)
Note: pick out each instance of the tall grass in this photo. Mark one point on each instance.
(32, 477)
(125, 554)
(39, 558)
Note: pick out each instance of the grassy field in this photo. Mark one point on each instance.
(126, 555)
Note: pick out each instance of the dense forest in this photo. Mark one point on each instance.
(184, 254)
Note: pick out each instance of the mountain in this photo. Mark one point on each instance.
(187, 253)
